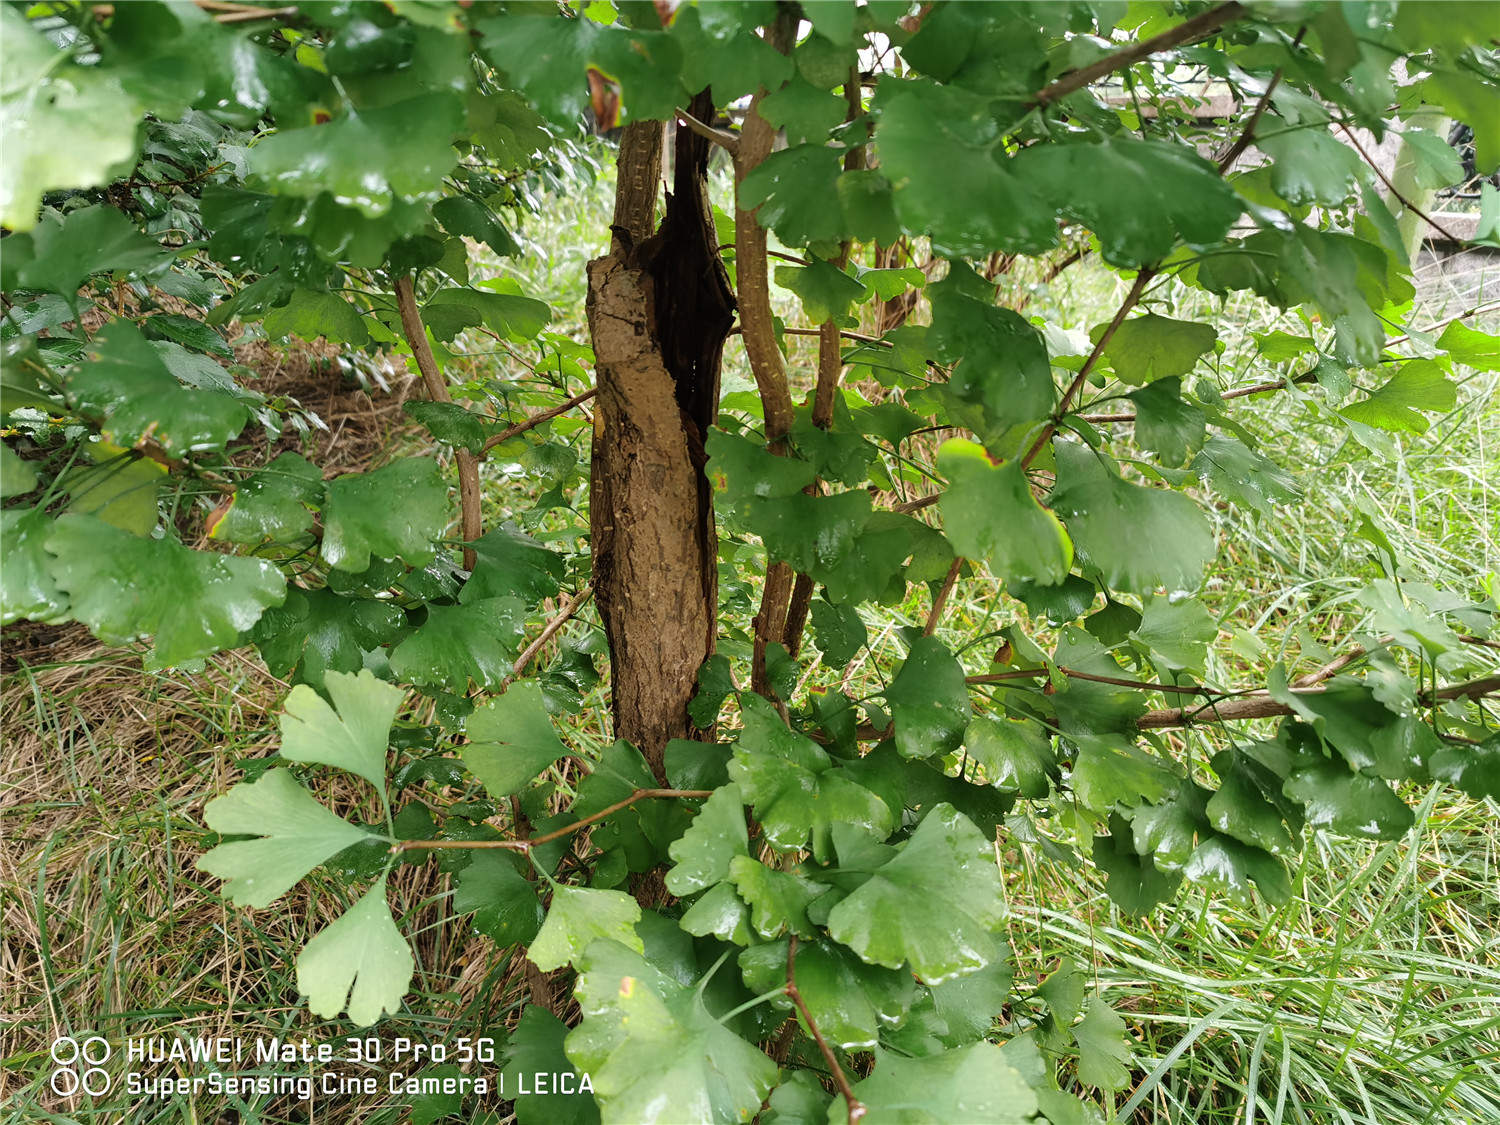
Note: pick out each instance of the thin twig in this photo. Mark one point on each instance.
(536, 420)
(1264, 707)
(857, 1108)
(569, 608)
(1400, 198)
(471, 517)
(557, 834)
(727, 141)
(940, 599)
(1227, 158)
(1203, 24)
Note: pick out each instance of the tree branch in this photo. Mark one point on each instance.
(569, 608)
(471, 519)
(557, 834)
(1264, 707)
(940, 599)
(536, 420)
(727, 141)
(1206, 23)
(857, 1108)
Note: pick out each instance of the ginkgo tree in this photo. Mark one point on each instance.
(769, 899)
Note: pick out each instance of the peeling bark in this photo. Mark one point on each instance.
(659, 309)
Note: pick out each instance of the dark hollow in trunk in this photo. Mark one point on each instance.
(659, 310)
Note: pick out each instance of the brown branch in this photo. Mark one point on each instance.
(727, 141)
(1131, 299)
(569, 607)
(1395, 192)
(857, 1108)
(1201, 25)
(940, 599)
(906, 507)
(471, 519)
(1264, 707)
(536, 420)
(1227, 158)
(557, 834)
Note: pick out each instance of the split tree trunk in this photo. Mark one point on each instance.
(659, 309)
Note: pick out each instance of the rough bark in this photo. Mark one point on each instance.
(659, 309)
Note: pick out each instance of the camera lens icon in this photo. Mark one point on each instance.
(80, 1066)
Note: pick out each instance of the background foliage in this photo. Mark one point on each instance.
(1178, 640)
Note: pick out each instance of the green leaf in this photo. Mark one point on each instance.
(536, 1047)
(1245, 476)
(27, 590)
(778, 900)
(989, 513)
(827, 292)
(1176, 633)
(450, 423)
(1103, 1047)
(1150, 347)
(935, 905)
(1139, 538)
(720, 912)
(121, 491)
(462, 643)
(1064, 990)
(1166, 422)
(466, 216)
(394, 511)
(578, 916)
(191, 603)
(929, 701)
(17, 477)
(938, 147)
(715, 684)
(838, 631)
(655, 1054)
(716, 836)
(1231, 867)
(503, 902)
(312, 313)
(296, 833)
(1464, 345)
(1250, 807)
(1138, 196)
(272, 504)
(370, 159)
(797, 792)
(1002, 361)
(509, 563)
(794, 192)
(129, 386)
(972, 1084)
(317, 631)
(1017, 756)
(851, 1002)
(805, 112)
(1310, 165)
(360, 961)
(1349, 804)
(511, 740)
(85, 242)
(353, 734)
(189, 333)
(512, 316)
(1473, 769)
(1134, 883)
(1111, 771)
(799, 1100)
(1420, 385)
(61, 125)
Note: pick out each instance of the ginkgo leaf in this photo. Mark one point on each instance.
(1150, 347)
(929, 701)
(972, 1084)
(360, 962)
(511, 740)
(716, 836)
(1139, 538)
(296, 833)
(797, 791)
(989, 513)
(352, 735)
(655, 1054)
(27, 590)
(935, 905)
(1419, 387)
(394, 511)
(778, 900)
(502, 900)
(578, 916)
(1017, 756)
(457, 644)
(195, 603)
(1103, 1049)
(536, 1047)
(851, 1002)
(274, 503)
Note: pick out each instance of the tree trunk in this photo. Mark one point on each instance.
(659, 309)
